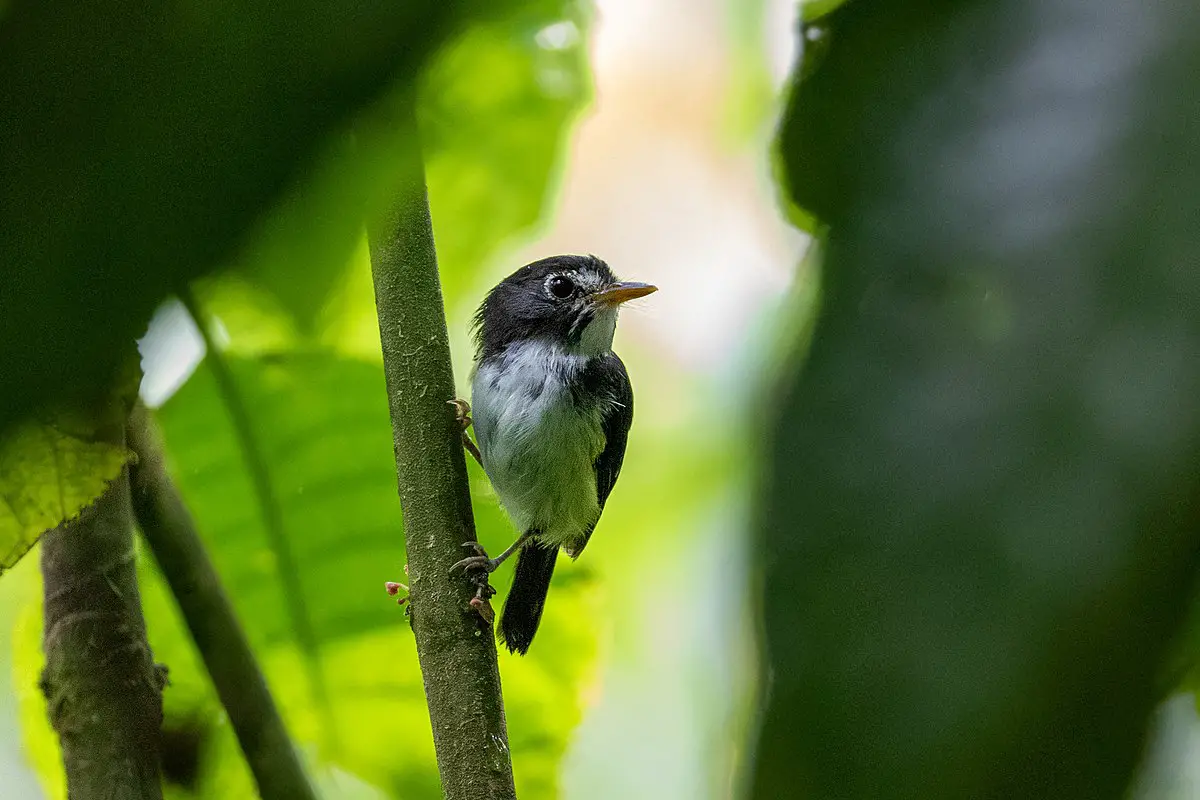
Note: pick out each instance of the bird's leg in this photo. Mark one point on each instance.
(462, 413)
(481, 564)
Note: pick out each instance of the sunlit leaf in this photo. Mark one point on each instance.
(40, 741)
(496, 106)
(814, 10)
(496, 110)
(48, 474)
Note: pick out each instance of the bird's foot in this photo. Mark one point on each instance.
(478, 565)
(477, 568)
(462, 413)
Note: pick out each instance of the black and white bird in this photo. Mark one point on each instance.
(552, 407)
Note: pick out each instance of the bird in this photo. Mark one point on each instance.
(552, 406)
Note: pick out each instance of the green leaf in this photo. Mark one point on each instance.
(48, 474)
(814, 10)
(321, 424)
(496, 107)
(170, 159)
(981, 516)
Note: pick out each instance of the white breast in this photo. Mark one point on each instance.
(538, 447)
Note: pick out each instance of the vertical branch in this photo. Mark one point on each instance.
(456, 648)
(168, 529)
(102, 687)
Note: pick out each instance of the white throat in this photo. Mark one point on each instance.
(597, 337)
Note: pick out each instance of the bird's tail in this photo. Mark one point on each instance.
(523, 608)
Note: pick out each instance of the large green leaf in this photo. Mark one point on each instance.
(980, 522)
(495, 107)
(321, 425)
(143, 142)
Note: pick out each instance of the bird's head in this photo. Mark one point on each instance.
(570, 301)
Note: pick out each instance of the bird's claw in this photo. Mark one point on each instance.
(462, 412)
(477, 569)
(476, 564)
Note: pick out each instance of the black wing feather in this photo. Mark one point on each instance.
(606, 377)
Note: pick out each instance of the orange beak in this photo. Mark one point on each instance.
(621, 292)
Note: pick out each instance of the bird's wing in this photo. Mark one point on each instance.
(609, 379)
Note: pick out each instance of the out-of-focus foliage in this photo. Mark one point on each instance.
(495, 110)
(142, 143)
(48, 474)
(814, 10)
(495, 107)
(980, 521)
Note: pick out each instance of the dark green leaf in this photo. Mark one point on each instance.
(982, 512)
(142, 142)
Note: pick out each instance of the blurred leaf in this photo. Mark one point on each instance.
(496, 108)
(980, 521)
(40, 741)
(496, 105)
(751, 99)
(48, 474)
(813, 10)
(125, 174)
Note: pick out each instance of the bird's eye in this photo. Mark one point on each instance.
(561, 286)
